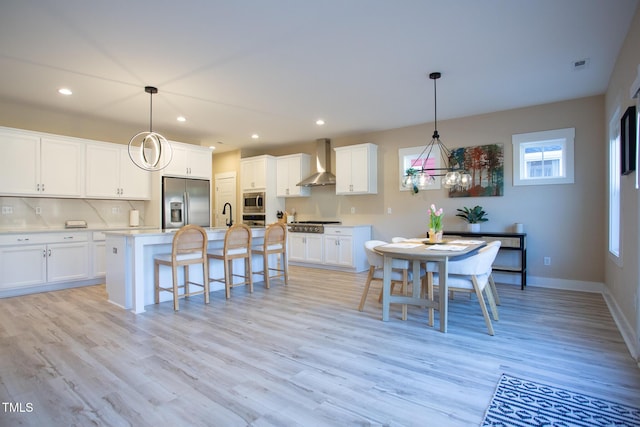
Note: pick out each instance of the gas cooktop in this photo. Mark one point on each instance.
(310, 226)
(316, 222)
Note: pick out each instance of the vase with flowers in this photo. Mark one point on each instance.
(435, 224)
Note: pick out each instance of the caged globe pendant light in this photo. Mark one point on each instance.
(420, 178)
(150, 150)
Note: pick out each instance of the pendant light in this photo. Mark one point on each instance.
(419, 177)
(150, 150)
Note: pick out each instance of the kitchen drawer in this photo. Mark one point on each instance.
(340, 231)
(99, 236)
(24, 239)
(43, 238)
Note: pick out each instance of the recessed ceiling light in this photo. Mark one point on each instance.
(65, 91)
(255, 136)
(181, 119)
(319, 122)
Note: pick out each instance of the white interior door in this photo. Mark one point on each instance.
(225, 193)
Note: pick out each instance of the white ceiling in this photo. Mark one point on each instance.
(272, 67)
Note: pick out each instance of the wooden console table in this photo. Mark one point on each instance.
(510, 242)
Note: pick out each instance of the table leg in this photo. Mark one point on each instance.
(444, 293)
(386, 287)
(416, 279)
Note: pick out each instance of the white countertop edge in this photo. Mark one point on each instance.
(68, 230)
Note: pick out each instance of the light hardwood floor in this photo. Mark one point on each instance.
(299, 355)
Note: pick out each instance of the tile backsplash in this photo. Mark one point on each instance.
(35, 213)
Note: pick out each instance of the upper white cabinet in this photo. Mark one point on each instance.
(111, 174)
(43, 166)
(189, 161)
(290, 171)
(357, 169)
(255, 172)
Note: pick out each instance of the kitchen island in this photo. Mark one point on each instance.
(129, 263)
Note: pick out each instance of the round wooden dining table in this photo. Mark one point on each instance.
(416, 251)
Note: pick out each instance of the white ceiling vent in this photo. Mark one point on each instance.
(581, 64)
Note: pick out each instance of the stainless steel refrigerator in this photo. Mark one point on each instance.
(185, 201)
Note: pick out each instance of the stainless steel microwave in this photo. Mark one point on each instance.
(253, 203)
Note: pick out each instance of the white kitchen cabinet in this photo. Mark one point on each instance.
(344, 246)
(305, 247)
(23, 266)
(338, 249)
(189, 162)
(256, 171)
(67, 261)
(357, 169)
(111, 174)
(37, 259)
(32, 164)
(291, 170)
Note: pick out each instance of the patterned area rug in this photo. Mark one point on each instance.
(518, 402)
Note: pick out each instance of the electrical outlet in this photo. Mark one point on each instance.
(115, 210)
(7, 210)
(353, 210)
(547, 260)
(389, 211)
(38, 210)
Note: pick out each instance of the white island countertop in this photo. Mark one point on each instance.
(130, 264)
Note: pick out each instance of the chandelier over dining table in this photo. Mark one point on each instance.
(419, 176)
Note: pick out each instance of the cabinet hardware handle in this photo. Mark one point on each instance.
(26, 239)
(44, 253)
(49, 252)
(68, 237)
(42, 187)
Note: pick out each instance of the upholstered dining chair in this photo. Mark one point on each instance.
(237, 245)
(275, 243)
(400, 273)
(189, 247)
(473, 274)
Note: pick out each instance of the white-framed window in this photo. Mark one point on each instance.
(614, 189)
(541, 158)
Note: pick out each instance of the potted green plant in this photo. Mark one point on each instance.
(473, 216)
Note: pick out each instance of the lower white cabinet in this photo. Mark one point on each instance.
(37, 259)
(340, 247)
(23, 266)
(338, 250)
(43, 261)
(305, 247)
(67, 261)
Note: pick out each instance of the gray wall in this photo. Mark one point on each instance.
(565, 222)
(623, 279)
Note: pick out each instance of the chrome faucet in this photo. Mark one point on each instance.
(224, 212)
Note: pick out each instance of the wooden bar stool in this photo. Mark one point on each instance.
(237, 245)
(275, 242)
(189, 247)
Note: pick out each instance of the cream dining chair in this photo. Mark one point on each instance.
(400, 273)
(473, 274)
(189, 247)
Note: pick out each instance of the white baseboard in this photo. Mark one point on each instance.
(627, 332)
(550, 282)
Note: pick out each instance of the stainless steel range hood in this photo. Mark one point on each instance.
(323, 158)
